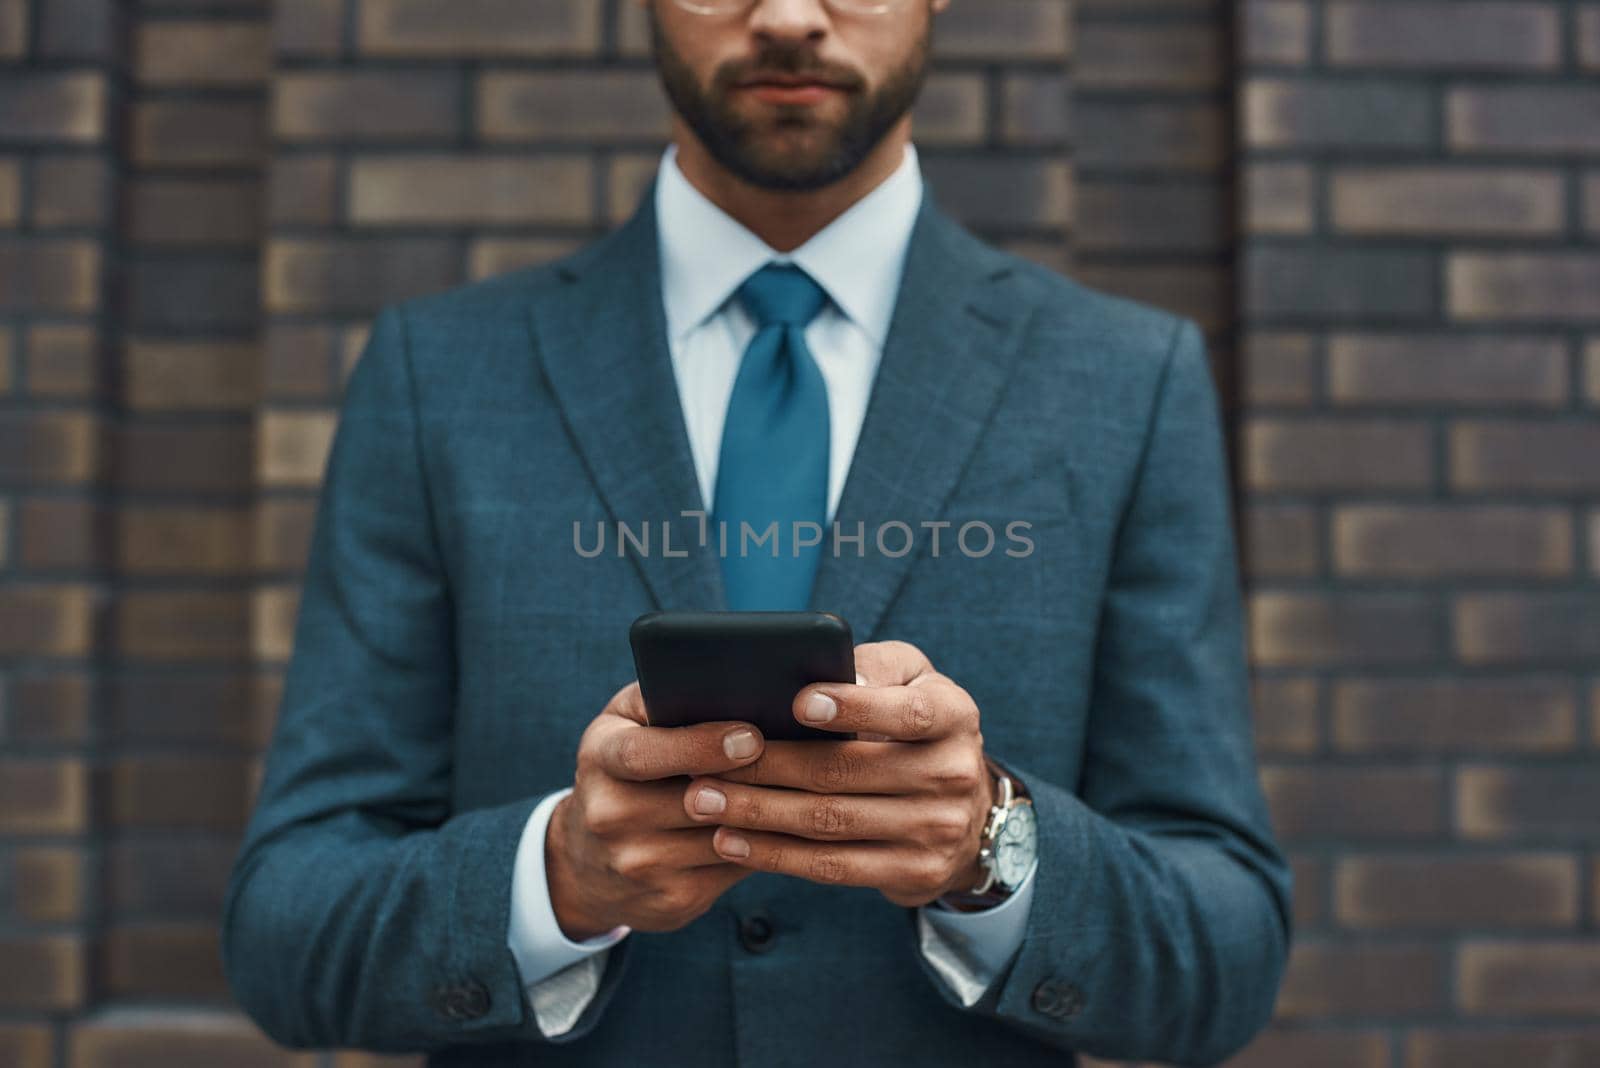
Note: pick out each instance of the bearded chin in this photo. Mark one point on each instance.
(748, 151)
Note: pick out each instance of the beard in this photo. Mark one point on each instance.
(796, 151)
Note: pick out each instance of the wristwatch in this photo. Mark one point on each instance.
(1007, 847)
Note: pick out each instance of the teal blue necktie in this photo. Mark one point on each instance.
(773, 467)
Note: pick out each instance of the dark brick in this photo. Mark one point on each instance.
(1503, 978)
(1318, 802)
(1525, 456)
(1328, 980)
(1453, 369)
(1432, 542)
(1312, 455)
(367, 106)
(1526, 119)
(1282, 113)
(1343, 284)
(1444, 715)
(1518, 890)
(1502, 803)
(1452, 36)
(60, 107)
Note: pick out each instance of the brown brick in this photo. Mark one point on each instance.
(51, 707)
(176, 541)
(492, 256)
(212, 52)
(1311, 876)
(1034, 108)
(1443, 715)
(1453, 36)
(1416, 542)
(1502, 803)
(178, 792)
(1331, 980)
(185, 625)
(1016, 30)
(60, 107)
(375, 1060)
(42, 797)
(1311, 455)
(1286, 716)
(13, 35)
(474, 28)
(1525, 456)
(274, 611)
(1591, 203)
(165, 376)
(1175, 57)
(1302, 1048)
(628, 177)
(1455, 369)
(308, 27)
(1505, 978)
(1284, 113)
(1523, 118)
(1480, 1048)
(173, 876)
(1589, 36)
(10, 193)
(199, 133)
(26, 1045)
(213, 707)
(1115, 215)
(79, 29)
(283, 534)
(185, 458)
(1591, 360)
(1391, 284)
(354, 277)
(1518, 890)
(179, 961)
(1347, 802)
(303, 190)
(953, 110)
(48, 448)
(434, 191)
(1527, 628)
(63, 533)
(167, 1038)
(1536, 286)
(1149, 134)
(294, 447)
(43, 973)
(1279, 197)
(64, 362)
(56, 276)
(1275, 32)
(46, 620)
(70, 191)
(1281, 541)
(183, 211)
(1448, 201)
(366, 106)
(572, 105)
(49, 884)
(1280, 368)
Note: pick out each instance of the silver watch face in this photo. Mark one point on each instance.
(1017, 845)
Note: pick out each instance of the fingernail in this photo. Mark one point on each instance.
(739, 744)
(734, 845)
(709, 801)
(819, 708)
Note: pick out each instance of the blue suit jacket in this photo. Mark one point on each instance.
(451, 646)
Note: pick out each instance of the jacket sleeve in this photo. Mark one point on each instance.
(1160, 924)
(362, 911)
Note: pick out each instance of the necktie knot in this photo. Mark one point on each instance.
(782, 294)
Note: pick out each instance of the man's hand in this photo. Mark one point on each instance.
(620, 849)
(903, 815)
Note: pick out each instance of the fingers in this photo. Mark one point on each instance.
(826, 817)
(617, 809)
(891, 663)
(626, 750)
(856, 864)
(929, 706)
(857, 767)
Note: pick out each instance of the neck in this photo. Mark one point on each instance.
(786, 220)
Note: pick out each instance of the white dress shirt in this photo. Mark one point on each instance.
(706, 255)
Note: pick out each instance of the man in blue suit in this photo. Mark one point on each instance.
(1040, 830)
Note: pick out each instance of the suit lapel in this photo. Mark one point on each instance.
(952, 343)
(601, 335)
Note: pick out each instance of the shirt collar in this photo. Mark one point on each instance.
(857, 258)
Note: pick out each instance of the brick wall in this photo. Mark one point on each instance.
(1383, 213)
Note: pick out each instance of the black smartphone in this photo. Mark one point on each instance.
(696, 667)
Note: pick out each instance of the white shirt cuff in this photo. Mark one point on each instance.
(968, 949)
(561, 976)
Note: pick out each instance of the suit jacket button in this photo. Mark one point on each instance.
(467, 1001)
(1058, 999)
(757, 932)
